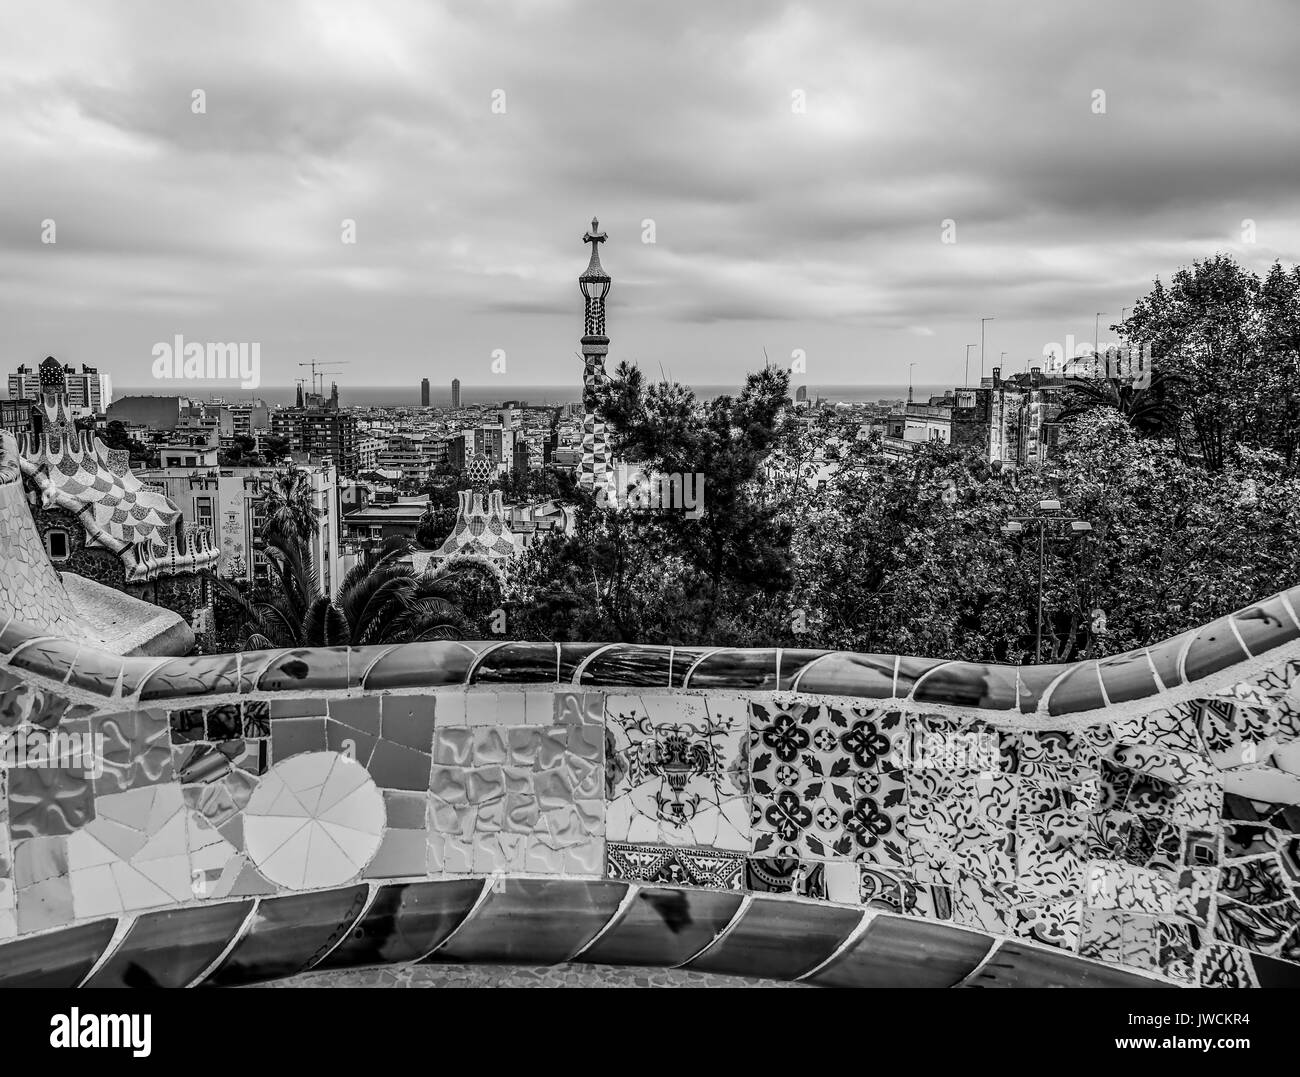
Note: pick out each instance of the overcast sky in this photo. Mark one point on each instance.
(818, 230)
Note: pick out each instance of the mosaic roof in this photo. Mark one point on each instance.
(71, 468)
(481, 529)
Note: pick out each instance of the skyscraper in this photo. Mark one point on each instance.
(595, 469)
(424, 392)
(455, 392)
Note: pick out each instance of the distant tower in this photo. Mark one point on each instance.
(595, 472)
(455, 392)
(801, 395)
(424, 392)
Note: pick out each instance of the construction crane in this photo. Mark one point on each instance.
(314, 375)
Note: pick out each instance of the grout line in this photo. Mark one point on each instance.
(868, 915)
(370, 900)
(997, 945)
(632, 890)
(226, 950)
(479, 902)
(120, 932)
(735, 919)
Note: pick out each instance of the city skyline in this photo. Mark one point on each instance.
(798, 196)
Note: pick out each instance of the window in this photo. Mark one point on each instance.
(203, 511)
(56, 545)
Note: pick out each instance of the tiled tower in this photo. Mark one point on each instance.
(596, 470)
(482, 529)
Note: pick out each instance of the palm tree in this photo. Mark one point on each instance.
(291, 512)
(1148, 410)
(295, 614)
(380, 600)
(385, 600)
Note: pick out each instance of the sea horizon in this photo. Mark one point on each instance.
(375, 396)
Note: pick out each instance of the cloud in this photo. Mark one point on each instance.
(771, 224)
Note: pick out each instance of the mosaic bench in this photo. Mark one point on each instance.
(839, 819)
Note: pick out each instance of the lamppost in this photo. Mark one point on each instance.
(982, 321)
(1051, 517)
(966, 383)
(909, 381)
(1096, 338)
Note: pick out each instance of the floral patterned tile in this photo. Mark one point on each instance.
(880, 889)
(1102, 936)
(1178, 945)
(977, 905)
(1126, 888)
(1225, 722)
(820, 789)
(674, 865)
(1050, 748)
(1149, 795)
(986, 806)
(1198, 807)
(773, 875)
(1050, 864)
(1220, 965)
(1140, 942)
(1180, 768)
(1195, 895)
(1263, 929)
(1174, 728)
(1257, 881)
(674, 771)
(1055, 923)
(992, 862)
(934, 902)
(1154, 843)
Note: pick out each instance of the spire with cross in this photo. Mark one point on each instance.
(595, 273)
(594, 283)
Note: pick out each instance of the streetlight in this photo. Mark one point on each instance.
(1096, 336)
(1049, 516)
(966, 383)
(982, 321)
(909, 381)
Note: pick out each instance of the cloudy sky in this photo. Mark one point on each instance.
(775, 227)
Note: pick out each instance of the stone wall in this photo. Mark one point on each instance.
(250, 817)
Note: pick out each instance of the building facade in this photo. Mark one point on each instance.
(88, 392)
(230, 502)
(322, 433)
